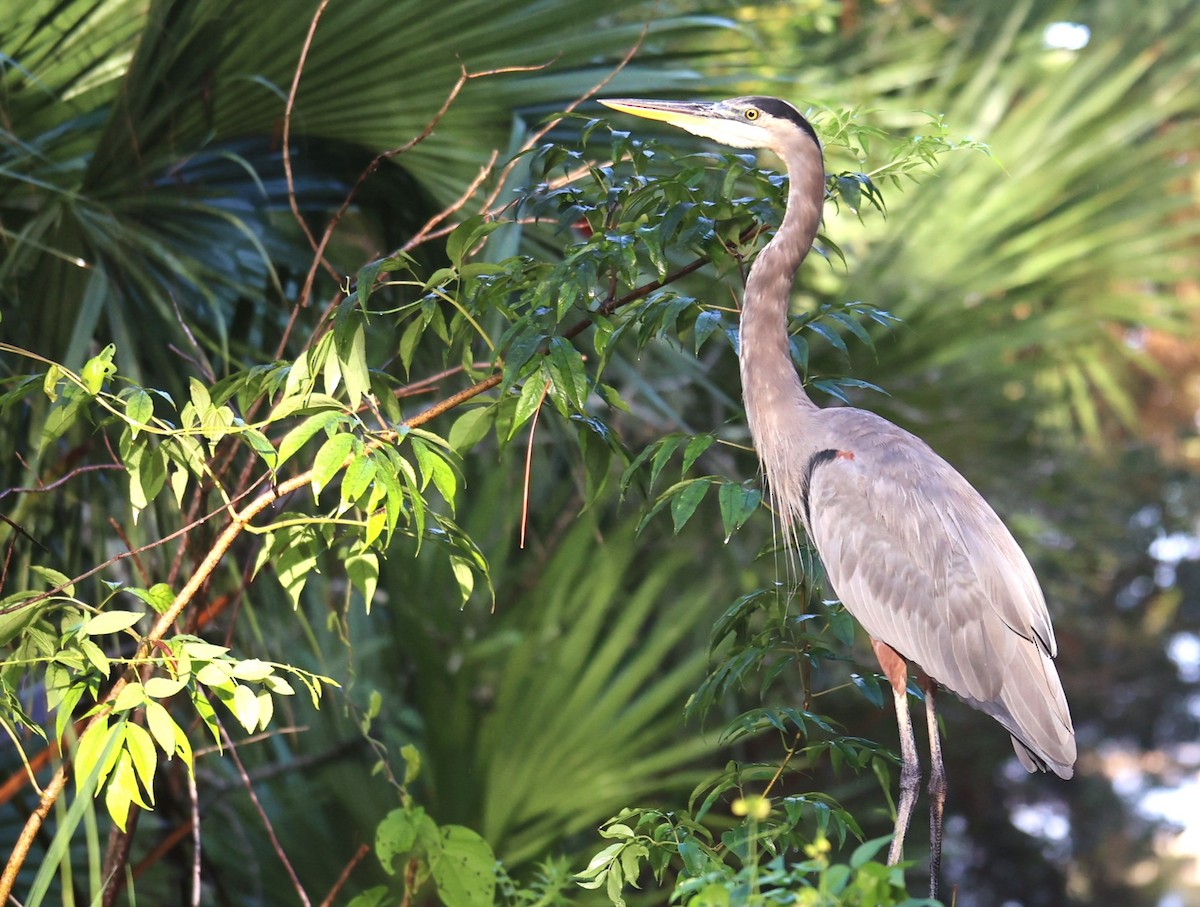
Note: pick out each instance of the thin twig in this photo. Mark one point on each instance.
(142, 572)
(318, 257)
(427, 230)
(66, 477)
(262, 814)
(344, 875)
(540, 133)
(194, 800)
(427, 383)
(319, 247)
(287, 122)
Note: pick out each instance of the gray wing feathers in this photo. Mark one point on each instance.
(925, 565)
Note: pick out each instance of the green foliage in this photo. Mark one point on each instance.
(412, 848)
(310, 493)
(319, 422)
(749, 863)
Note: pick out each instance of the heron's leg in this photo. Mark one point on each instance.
(895, 669)
(937, 785)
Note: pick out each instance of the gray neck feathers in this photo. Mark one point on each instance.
(777, 407)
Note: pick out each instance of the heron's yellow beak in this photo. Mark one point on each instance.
(684, 114)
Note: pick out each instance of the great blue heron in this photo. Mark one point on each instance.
(913, 551)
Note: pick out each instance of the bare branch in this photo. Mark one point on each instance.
(344, 875)
(262, 814)
(425, 232)
(287, 121)
(539, 134)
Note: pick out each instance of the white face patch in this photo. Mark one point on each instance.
(735, 133)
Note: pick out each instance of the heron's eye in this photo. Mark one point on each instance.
(751, 113)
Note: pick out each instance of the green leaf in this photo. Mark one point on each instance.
(349, 344)
(55, 579)
(471, 427)
(54, 374)
(97, 750)
(216, 675)
(697, 446)
(111, 622)
(869, 687)
(132, 696)
(379, 896)
(201, 400)
(278, 686)
(163, 687)
(568, 373)
(96, 656)
(143, 755)
(520, 351)
(409, 341)
(120, 791)
(531, 396)
(261, 445)
(412, 761)
(687, 497)
(362, 569)
(405, 832)
(300, 435)
(359, 475)
(434, 466)
(14, 617)
(666, 447)
(842, 625)
(139, 409)
(147, 468)
(295, 561)
(330, 458)
(866, 851)
(464, 576)
(162, 727)
(829, 334)
(706, 324)
(252, 669)
(160, 596)
(465, 873)
(244, 706)
(738, 503)
(62, 416)
(466, 236)
(395, 836)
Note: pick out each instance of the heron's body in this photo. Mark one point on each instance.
(913, 551)
(937, 576)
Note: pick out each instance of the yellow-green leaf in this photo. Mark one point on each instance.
(139, 410)
(143, 755)
(163, 687)
(111, 622)
(330, 459)
(162, 727)
(252, 669)
(131, 697)
(245, 707)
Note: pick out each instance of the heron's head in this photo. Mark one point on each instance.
(752, 122)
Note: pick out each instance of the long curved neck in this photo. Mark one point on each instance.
(770, 386)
